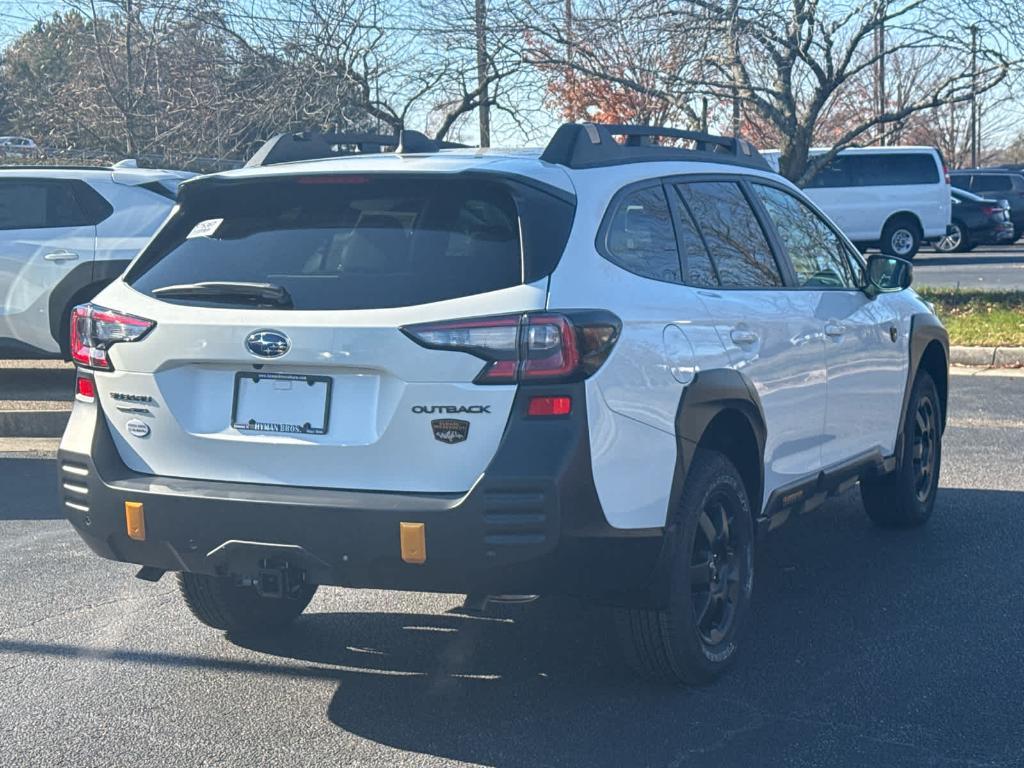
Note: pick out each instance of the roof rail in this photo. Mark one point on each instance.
(313, 145)
(592, 145)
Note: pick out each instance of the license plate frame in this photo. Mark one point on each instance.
(270, 427)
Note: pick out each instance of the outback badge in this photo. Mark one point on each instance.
(450, 431)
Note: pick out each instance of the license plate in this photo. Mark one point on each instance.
(291, 403)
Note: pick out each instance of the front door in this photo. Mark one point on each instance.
(865, 342)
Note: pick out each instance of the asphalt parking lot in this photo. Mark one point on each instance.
(986, 267)
(868, 648)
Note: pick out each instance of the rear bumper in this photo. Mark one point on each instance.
(531, 524)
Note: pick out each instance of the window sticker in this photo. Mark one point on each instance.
(207, 228)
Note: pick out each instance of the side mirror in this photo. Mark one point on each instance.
(887, 274)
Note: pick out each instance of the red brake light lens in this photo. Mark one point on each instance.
(85, 388)
(542, 346)
(988, 210)
(945, 172)
(549, 406)
(95, 329)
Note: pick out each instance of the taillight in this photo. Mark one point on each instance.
(95, 329)
(945, 172)
(988, 210)
(533, 346)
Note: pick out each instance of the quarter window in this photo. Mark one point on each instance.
(640, 237)
(819, 257)
(734, 237)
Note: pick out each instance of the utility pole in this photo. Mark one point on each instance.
(974, 95)
(881, 105)
(481, 72)
(734, 40)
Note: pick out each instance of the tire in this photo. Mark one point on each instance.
(901, 237)
(694, 639)
(905, 498)
(218, 602)
(957, 241)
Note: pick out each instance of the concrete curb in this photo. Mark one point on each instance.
(989, 357)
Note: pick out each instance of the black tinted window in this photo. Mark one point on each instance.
(45, 204)
(734, 236)
(819, 257)
(960, 180)
(835, 174)
(883, 169)
(348, 242)
(640, 237)
(698, 270)
(992, 182)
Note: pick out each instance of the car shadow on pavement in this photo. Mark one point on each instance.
(860, 642)
(18, 475)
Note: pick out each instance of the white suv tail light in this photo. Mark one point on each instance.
(533, 346)
(95, 329)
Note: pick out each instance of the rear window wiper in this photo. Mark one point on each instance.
(246, 293)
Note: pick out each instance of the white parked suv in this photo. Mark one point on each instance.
(64, 234)
(890, 198)
(598, 370)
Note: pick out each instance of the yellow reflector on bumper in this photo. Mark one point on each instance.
(414, 542)
(135, 520)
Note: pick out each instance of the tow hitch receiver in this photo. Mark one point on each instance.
(274, 570)
(278, 579)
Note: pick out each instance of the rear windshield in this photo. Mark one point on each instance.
(358, 242)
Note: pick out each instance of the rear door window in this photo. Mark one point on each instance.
(738, 245)
(992, 182)
(891, 168)
(48, 204)
(639, 235)
(355, 242)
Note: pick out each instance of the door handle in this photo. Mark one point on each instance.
(62, 255)
(834, 329)
(742, 336)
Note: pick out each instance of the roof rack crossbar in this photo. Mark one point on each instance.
(592, 145)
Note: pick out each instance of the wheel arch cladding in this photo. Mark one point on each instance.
(720, 410)
(929, 351)
(90, 277)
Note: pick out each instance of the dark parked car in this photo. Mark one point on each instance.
(998, 183)
(976, 221)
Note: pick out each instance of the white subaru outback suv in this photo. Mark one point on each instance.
(65, 232)
(597, 370)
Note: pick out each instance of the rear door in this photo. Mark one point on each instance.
(327, 391)
(865, 340)
(47, 229)
(768, 328)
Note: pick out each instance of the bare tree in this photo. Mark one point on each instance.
(789, 64)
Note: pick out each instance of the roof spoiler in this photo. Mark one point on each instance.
(313, 145)
(592, 145)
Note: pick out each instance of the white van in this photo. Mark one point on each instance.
(892, 198)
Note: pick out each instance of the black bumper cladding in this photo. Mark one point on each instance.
(532, 524)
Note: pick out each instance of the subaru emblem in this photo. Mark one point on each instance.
(267, 343)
